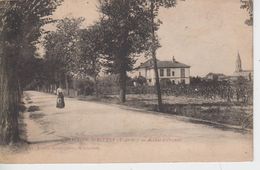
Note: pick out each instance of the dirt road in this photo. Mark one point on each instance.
(95, 132)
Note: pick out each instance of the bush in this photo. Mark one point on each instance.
(85, 87)
(139, 81)
(110, 85)
(165, 82)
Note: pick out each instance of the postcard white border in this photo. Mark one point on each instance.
(255, 165)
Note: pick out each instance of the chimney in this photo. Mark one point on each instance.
(173, 59)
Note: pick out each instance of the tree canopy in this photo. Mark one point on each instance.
(61, 47)
(127, 31)
(20, 28)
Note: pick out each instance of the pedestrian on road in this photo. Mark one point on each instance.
(60, 99)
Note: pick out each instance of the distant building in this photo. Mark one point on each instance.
(239, 72)
(173, 71)
(215, 76)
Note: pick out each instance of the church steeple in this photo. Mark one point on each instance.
(238, 63)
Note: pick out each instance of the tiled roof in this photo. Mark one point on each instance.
(164, 64)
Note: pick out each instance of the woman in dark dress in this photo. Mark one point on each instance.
(60, 99)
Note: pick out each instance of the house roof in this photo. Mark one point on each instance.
(163, 64)
(215, 74)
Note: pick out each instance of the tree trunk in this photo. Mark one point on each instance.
(8, 102)
(157, 84)
(122, 86)
(96, 86)
(74, 86)
(55, 88)
(67, 84)
(20, 91)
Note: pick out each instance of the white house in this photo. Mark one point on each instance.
(173, 70)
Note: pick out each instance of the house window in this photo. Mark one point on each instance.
(161, 72)
(182, 73)
(173, 73)
(168, 72)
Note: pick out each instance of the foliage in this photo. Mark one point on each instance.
(140, 80)
(89, 51)
(20, 28)
(33, 70)
(248, 5)
(196, 80)
(113, 81)
(27, 18)
(61, 47)
(85, 87)
(126, 28)
(165, 82)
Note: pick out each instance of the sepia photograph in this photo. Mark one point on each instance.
(126, 81)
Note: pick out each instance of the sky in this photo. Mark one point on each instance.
(205, 34)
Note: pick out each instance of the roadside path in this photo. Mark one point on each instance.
(94, 132)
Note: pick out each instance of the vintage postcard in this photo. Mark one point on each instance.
(120, 81)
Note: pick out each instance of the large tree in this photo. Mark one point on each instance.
(61, 49)
(90, 48)
(127, 33)
(20, 28)
(130, 28)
